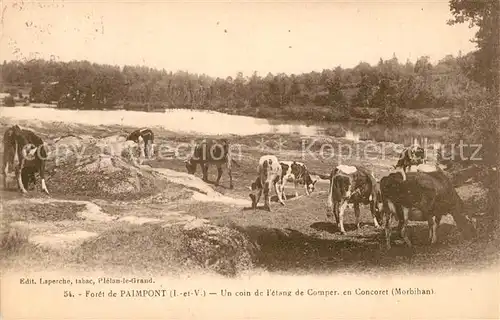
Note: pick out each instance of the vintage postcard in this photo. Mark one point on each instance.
(249, 159)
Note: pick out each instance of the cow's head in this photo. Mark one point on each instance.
(16, 129)
(416, 155)
(254, 186)
(467, 225)
(392, 184)
(418, 152)
(190, 166)
(29, 151)
(310, 182)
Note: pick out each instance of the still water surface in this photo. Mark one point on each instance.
(212, 123)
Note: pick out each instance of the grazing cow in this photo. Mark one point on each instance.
(298, 173)
(147, 136)
(211, 151)
(31, 154)
(411, 156)
(431, 193)
(356, 185)
(270, 175)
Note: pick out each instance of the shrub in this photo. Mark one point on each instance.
(12, 239)
(9, 101)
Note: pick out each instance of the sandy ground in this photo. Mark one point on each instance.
(177, 223)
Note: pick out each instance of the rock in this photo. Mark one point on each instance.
(194, 224)
(104, 176)
(221, 249)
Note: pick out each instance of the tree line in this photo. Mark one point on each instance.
(365, 91)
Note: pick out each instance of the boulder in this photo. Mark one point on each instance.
(103, 176)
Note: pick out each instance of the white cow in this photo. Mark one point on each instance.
(269, 176)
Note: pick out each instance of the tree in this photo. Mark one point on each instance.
(336, 97)
(363, 95)
(386, 100)
(484, 15)
(483, 115)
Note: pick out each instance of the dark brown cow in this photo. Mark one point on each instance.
(212, 151)
(31, 154)
(431, 193)
(356, 185)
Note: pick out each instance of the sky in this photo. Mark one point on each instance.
(222, 38)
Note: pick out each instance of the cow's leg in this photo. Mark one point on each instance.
(266, 196)
(387, 217)
(399, 214)
(357, 214)
(373, 209)
(283, 183)
(404, 226)
(26, 178)
(306, 188)
(149, 146)
(257, 197)
(330, 211)
(42, 177)
(433, 226)
(145, 141)
(342, 208)
(430, 224)
(335, 212)
(230, 174)
(5, 172)
(219, 173)
(279, 193)
(204, 169)
(295, 184)
(437, 220)
(19, 170)
(254, 205)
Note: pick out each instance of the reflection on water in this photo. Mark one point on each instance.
(213, 123)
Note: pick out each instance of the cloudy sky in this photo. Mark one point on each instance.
(223, 38)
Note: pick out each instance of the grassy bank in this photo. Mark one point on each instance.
(173, 233)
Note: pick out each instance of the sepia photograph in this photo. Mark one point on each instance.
(249, 159)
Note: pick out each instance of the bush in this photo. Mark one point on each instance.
(9, 101)
(12, 239)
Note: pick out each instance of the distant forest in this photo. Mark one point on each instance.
(383, 92)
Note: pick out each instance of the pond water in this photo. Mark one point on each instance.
(213, 123)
